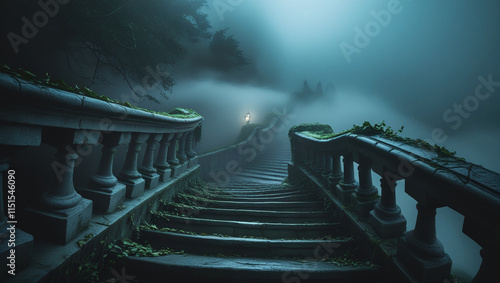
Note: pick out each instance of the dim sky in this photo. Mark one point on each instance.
(409, 69)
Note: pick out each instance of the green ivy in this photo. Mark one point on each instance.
(84, 91)
(320, 131)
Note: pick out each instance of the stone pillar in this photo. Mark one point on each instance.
(161, 164)
(421, 252)
(147, 170)
(129, 176)
(315, 161)
(348, 184)
(366, 195)
(386, 216)
(191, 154)
(302, 153)
(327, 166)
(9, 226)
(61, 212)
(172, 156)
(309, 156)
(489, 271)
(103, 189)
(181, 153)
(336, 173)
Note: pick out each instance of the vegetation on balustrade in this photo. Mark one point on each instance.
(47, 81)
(316, 130)
(322, 131)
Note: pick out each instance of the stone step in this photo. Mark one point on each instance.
(253, 189)
(251, 229)
(263, 193)
(257, 215)
(242, 197)
(278, 165)
(260, 198)
(198, 268)
(269, 205)
(215, 245)
(263, 173)
(261, 178)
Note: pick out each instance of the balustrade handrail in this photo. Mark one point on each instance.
(440, 184)
(33, 104)
(432, 179)
(74, 124)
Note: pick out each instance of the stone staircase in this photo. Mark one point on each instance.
(250, 232)
(270, 165)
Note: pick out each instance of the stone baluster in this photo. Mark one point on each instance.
(348, 183)
(315, 161)
(104, 190)
(161, 164)
(489, 271)
(147, 169)
(386, 216)
(309, 156)
(190, 153)
(129, 175)
(61, 212)
(303, 153)
(366, 195)
(181, 153)
(172, 156)
(322, 159)
(421, 252)
(487, 237)
(336, 172)
(328, 166)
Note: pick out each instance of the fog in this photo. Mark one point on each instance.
(430, 66)
(425, 59)
(421, 61)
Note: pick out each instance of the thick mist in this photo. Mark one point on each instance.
(431, 67)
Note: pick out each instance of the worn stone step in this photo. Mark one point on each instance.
(264, 172)
(198, 268)
(267, 165)
(269, 205)
(256, 190)
(293, 197)
(261, 176)
(253, 229)
(257, 215)
(245, 246)
(297, 196)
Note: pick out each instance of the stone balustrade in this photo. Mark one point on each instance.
(433, 180)
(75, 125)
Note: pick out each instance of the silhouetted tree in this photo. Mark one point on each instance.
(226, 52)
(140, 40)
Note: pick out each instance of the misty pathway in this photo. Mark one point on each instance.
(254, 229)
